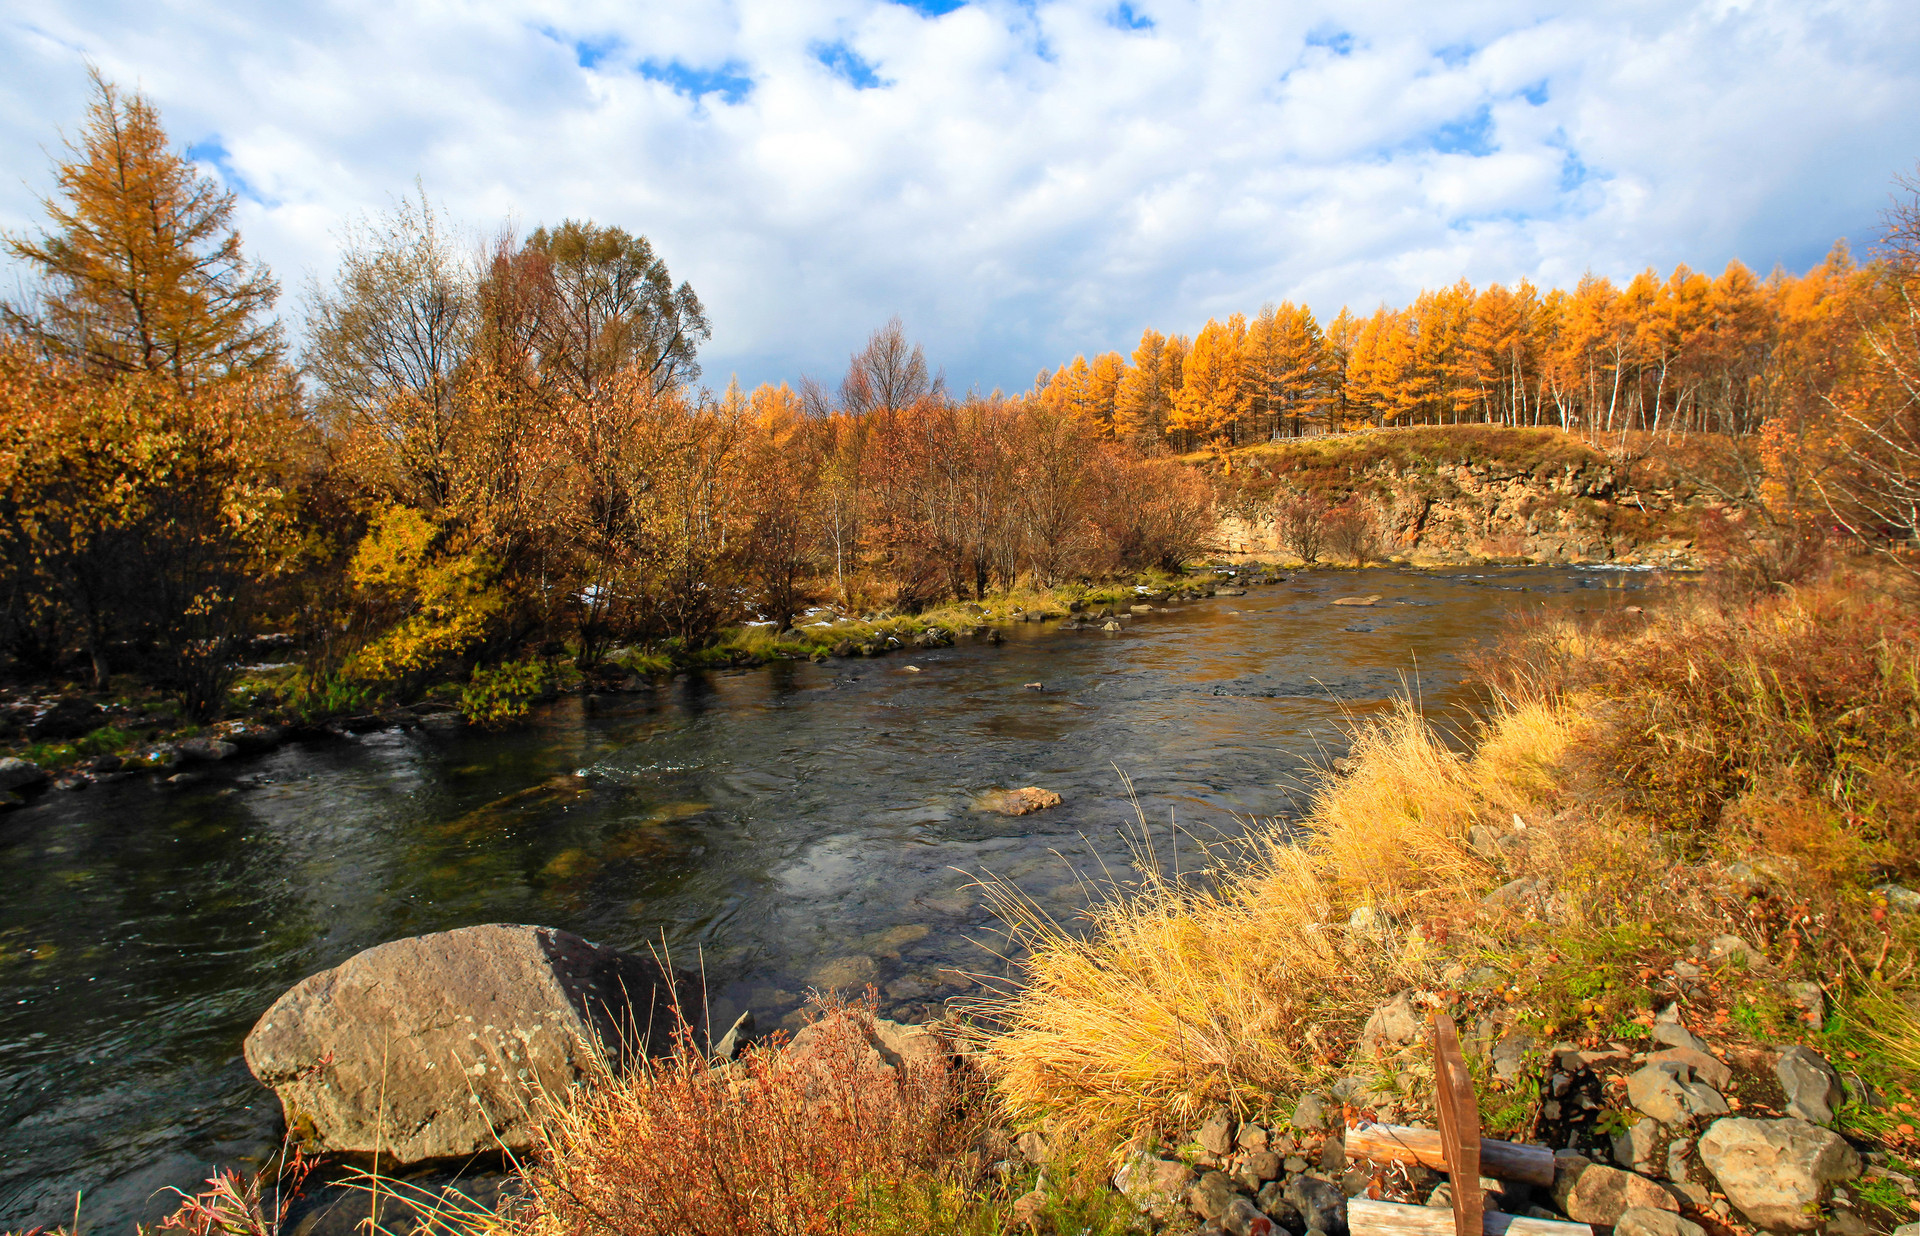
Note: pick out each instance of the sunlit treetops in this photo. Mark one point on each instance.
(1685, 352)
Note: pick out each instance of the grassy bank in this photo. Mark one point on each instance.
(1721, 766)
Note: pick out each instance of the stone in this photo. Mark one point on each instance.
(1032, 1146)
(1215, 1134)
(1252, 1137)
(1586, 1192)
(1022, 801)
(1310, 1113)
(1904, 900)
(1028, 1212)
(1155, 1186)
(1907, 1229)
(1667, 1092)
(1649, 1221)
(19, 774)
(737, 1039)
(1510, 892)
(1776, 1171)
(1634, 1147)
(1109, 625)
(1397, 1023)
(1846, 1223)
(1318, 1203)
(1243, 1219)
(431, 1047)
(876, 1044)
(1678, 1170)
(1812, 1086)
(1256, 1168)
(1273, 1203)
(1361, 601)
(1211, 1196)
(1484, 842)
(1510, 1055)
(69, 718)
(1673, 1034)
(1812, 1002)
(1709, 1070)
(209, 750)
(1734, 950)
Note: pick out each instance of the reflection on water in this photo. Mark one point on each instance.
(795, 826)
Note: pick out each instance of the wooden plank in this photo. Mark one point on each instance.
(1366, 1217)
(1459, 1109)
(1400, 1144)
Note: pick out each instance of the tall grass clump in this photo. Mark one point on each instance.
(1176, 995)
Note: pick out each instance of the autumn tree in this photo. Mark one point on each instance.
(141, 269)
(612, 307)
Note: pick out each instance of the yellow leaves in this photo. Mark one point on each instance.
(440, 601)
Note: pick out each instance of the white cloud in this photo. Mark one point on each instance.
(1021, 181)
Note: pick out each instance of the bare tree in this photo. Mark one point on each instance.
(1300, 522)
(888, 374)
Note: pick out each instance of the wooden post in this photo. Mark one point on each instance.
(1459, 1110)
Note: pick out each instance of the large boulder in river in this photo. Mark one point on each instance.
(437, 1046)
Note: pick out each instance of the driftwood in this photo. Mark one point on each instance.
(1395, 1219)
(1399, 1144)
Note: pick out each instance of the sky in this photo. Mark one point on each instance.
(1019, 180)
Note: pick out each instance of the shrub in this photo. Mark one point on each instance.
(838, 1145)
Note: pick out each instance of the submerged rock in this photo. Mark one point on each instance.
(433, 1047)
(1020, 802)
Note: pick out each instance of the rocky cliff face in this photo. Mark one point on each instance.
(1470, 494)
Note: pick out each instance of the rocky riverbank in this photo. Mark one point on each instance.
(66, 740)
(1464, 494)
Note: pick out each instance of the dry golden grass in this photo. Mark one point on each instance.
(1777, 727)
(1179, 997)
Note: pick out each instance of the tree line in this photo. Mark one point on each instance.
(1683, 354)
(481, 457)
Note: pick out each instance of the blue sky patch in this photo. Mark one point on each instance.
(1339, 42)
(848, 65)
(213, 150)
(728, 81)
(1127, 19)
(1536, 94)
(1472, 135)
(932, 8)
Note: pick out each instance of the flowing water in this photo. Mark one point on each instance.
(786, 827)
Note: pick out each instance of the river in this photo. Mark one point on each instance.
(783, 827)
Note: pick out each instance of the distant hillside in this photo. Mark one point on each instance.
(1471, 493)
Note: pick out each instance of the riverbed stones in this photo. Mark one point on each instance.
(19, 774)
(1635, 1146)
(1647, 1221)
(1668, 1092)
(1776, 1171)
(1590, 1193)
(1392, 1025)
(1215, 1134)
(69, 718)
(1320, 1204)
(1155, 1186)
(208, 750)
(434, 1047)
(1812, 1087)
